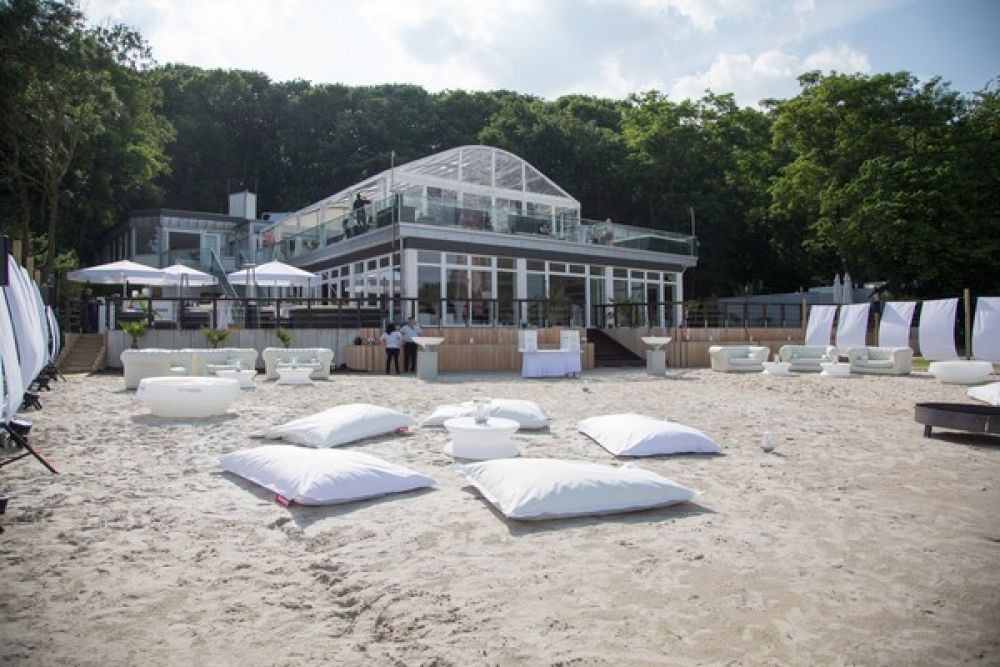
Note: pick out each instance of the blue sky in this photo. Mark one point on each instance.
(553, 47)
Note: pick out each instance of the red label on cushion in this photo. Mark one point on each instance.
(402, 430)
(281, 500)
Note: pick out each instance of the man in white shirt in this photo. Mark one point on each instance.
(410, 330)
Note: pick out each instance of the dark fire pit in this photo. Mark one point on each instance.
(958, 416)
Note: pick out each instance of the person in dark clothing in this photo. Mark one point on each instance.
(359, 208)
(391, 341)
(410, 330)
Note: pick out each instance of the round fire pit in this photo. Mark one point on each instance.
(958, 416)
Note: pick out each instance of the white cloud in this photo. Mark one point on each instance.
(704, 14)
(768, 74)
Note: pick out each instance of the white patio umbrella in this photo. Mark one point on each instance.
(179, 274)
(273, 274)
(123, 272)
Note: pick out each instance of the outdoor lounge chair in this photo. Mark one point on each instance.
(738, 358)
(807, 358)
(880, 360)
(139, 364)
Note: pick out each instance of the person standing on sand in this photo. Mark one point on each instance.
(391, 341)
(410, 330)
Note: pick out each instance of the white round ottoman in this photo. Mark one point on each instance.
(187, 396)
(961, 371)
(481, 442)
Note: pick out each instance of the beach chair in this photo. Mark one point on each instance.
(17, 431)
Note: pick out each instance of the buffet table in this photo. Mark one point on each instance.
(550, 363)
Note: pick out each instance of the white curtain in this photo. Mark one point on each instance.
(852, 328)
(894, 330)
(12, 385)
(819, 325)
(937, 329)
(986, 330)
(223, 313)
(24, 318)
(50, 316)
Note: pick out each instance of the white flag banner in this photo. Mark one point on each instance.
(986, 330)
(894, 330)
(819, 325)
(937, 329)
(852, 329)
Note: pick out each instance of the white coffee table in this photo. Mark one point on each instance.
(778, 368)
(294, 374)
(480, 442)
(243, 376)
(961, 371)
(187, 396)
(835, 370)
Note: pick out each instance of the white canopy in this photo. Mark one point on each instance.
(894, 329)
(118, 272)
(178, 274)
(273, 274)
(936, 334)
(852, 328)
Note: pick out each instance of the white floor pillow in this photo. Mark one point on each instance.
(321, 477)
(550, 488)
(987, 393)
(638, 435)
(526, 413)
(340, 425)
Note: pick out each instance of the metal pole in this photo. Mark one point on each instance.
(967, 295)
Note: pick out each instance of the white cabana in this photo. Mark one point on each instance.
(986, 330)
(273, 274)
(894, 329)
(852, 328)
(13, 386)
(819, 325)
(937, 330)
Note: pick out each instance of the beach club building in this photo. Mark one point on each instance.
(477, 236)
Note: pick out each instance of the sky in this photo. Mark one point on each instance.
(610, 48)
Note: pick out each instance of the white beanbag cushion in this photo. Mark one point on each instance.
(526, 413)
(549, 488)
(340, 425)
(987, 393)
(313, 477)
(638, 435)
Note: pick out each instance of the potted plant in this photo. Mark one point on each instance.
(136, 330)
(285, 336)
(214, 336)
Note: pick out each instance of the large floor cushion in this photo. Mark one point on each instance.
(638, 435)
(988, 393)
(321, 477)
(526, 413)
(341, 425)
(550, 488)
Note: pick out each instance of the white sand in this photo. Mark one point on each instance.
(860, 542)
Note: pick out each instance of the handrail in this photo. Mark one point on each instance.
(219, 271)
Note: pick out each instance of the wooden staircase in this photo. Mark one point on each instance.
(83, 353)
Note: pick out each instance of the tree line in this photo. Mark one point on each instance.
(885, 176)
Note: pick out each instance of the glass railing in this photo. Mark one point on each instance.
(443, 213)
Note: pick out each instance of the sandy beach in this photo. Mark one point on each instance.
(857, 542)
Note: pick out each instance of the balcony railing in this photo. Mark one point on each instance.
(403, 209)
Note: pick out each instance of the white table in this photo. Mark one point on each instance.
(187, 396)
(480, 442)
(835, 370)
(243, 376)
(961, 371)
(778, 368)
(294, 374)
(550, 363)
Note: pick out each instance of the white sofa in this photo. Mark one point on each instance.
(738, 358)
(208, 361)
(807, 357)
(154, 362)
(319, 357)
(139, 364)
(881, 360)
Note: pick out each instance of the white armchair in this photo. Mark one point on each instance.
(738, 358)
(807, 357)
(153, 362)
(881, 360)
(319, 358)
